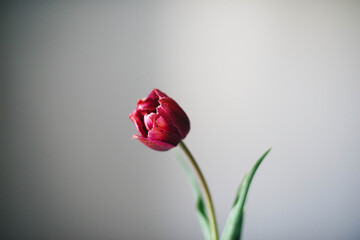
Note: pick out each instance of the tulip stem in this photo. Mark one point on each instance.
(210, 207)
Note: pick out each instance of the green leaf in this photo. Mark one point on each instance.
(199, 205)
(233, 226)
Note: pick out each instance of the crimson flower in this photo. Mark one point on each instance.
(160, 121)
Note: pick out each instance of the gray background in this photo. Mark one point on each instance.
(250, 75)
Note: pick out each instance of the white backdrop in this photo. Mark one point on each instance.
(250, 75)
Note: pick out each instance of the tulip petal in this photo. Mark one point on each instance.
(150, 103)
(168, 107)
(154, 144)
(159, 93)
(161, 135)
(149, 120)
(147, 105)
(137, 118)
(165, 124)
(160, 121)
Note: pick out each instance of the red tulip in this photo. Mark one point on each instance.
(160, 121)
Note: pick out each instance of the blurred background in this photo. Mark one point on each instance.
(250, 75)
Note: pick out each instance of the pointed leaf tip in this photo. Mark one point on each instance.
(233, 226)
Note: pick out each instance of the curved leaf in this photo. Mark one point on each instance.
(233, 226)
(199, 205)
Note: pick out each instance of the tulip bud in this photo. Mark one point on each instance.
(160, 121)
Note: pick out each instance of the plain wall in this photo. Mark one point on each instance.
(250, 75)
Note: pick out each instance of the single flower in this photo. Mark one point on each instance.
(160, 121)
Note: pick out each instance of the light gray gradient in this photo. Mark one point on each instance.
(250, 74)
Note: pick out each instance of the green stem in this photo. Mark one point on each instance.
(210, 207)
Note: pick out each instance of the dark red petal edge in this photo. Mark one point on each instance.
(154, 144)
(136, 117)
(159, 93)
(177, 116)
(159, 134)
(149, 103)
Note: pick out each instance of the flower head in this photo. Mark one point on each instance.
(160, 121)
